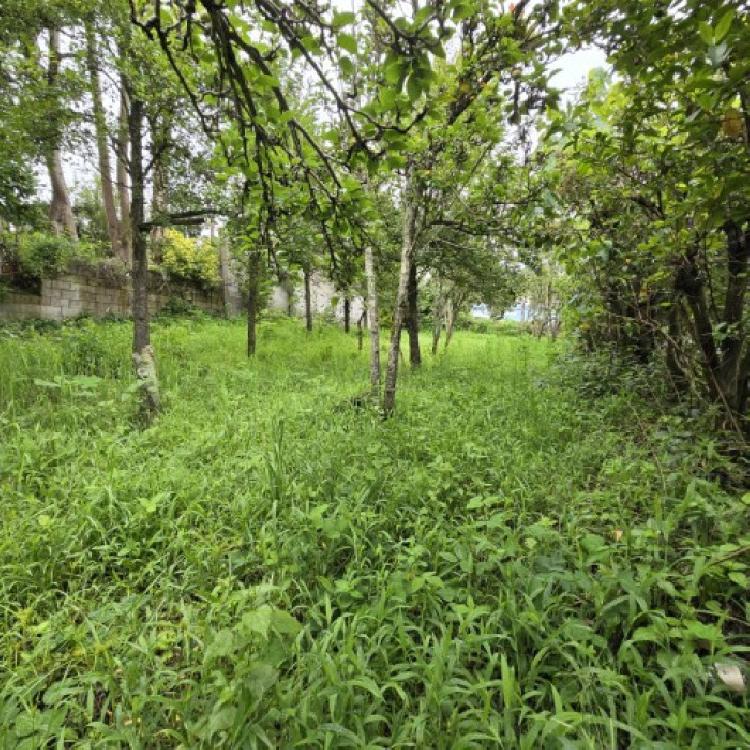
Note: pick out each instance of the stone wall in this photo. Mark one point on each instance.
(323, 294)
(100, 292)
(94, 294)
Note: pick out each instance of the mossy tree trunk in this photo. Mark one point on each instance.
(415, 355)
(400, 312)
(143, 353)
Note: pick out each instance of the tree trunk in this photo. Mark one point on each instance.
(287, 284)
(253, 289)
(679, 380)
(60, 209)
(230, 287)
(409, 221)
(437, 322)
(123, 192)
(347, 314)
(415, 355)
(450, 320)
(373, 320)
(360, 335)
(308, 302)
(160, 134)
(143, 353)
(732, 375)
(114, 232)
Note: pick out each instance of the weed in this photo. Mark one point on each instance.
(503, 564)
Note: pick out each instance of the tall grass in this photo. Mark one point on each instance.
(503, 564)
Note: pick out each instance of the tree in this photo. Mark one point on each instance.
(672, 139)
(93, 62)
(498, 55)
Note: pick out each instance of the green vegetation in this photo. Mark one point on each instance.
(275, 537)
(189, 258)
(512, 561)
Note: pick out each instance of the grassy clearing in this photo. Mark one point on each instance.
(504, 564)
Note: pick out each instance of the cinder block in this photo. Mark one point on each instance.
(51, 313)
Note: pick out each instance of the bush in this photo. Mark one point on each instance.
(41, 255)
(188, 258)
(484, 325)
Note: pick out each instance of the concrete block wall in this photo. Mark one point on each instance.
(76, 294)
(322, 294)
(87, 293)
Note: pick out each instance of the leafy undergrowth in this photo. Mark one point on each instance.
(500, 565)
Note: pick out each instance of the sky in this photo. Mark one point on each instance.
(574, 68)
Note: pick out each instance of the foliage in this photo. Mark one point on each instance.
(189, 258)
(513, 562)
(467, 322)
(41, 255)
(652, 177)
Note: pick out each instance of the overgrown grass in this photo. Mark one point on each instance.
(502, 564)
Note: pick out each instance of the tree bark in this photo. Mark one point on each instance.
(123, 190)
(347, 314)
(114, 231)
(230, 287)
(60, 209)
(415, 355)
(253, 290)
(360, 334)
(160, 134)
(409, 221)
(438, 312)
(373, 320)
(143, 353)
(452, 306)
(287, 284)
(308, 301)
(738, 254)
(677, 375)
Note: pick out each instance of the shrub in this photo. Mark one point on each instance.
(188, 258)
(41, 255)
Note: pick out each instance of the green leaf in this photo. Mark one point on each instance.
(414, 86)
(257, 620)
(392, 72)
(347, 66)
(706, 32)
(702, 631)
(368, 684)
(269, 81)
(725, 23)
(395, 161)
(221, 719)
(423, 14)
(311, 44)
(46, 383)
(282, 622)
(343, 19)
(261, 677)
(388, 97)
(462, 11)
(222, 645)
(347, 42)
